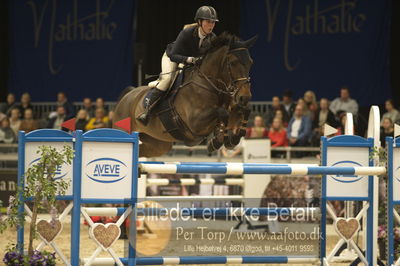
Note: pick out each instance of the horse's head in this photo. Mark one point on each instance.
(239, 62)
(228, 64)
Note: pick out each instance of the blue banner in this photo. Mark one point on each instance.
(83, 48)
(320, 46)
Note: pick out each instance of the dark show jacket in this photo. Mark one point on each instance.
(187, 45)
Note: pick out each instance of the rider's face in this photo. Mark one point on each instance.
(207, 26)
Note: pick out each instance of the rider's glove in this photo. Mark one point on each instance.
(193, 60)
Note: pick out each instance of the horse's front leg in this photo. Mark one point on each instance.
(234, 135)
(220, 130)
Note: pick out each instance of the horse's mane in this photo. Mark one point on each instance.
(223, 39)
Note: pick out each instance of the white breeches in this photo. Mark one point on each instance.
(168, 74)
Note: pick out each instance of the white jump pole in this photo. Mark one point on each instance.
(374, 132)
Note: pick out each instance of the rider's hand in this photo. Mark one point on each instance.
(193, 60)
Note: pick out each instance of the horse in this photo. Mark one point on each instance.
(212, 102)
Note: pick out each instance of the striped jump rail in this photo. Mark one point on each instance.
(242, 168)
(199, 212)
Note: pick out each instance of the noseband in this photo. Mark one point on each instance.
(230, 89)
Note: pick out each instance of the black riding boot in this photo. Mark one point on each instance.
(150, 102)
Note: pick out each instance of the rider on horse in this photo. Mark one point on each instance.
(190, 44)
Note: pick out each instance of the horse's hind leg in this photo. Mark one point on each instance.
(151, 147)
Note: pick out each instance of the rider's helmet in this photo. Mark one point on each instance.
(206, 12)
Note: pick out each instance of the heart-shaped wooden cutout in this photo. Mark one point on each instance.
(49, 231)
(105, 235)
(347, 228)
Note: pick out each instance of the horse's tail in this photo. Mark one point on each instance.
(125, 92)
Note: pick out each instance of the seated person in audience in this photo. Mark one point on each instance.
(28, 124)
(62, 100)
(7, 135)
(344, 103)
(100, 120)
(25, 103)
(10, 103)
(258, 130)
(387, 130)
(88, 106)
(100, 104)
(82, 119)
(311, 101)
(110, 119)
(304, 106)
(56, 121)
(277, 134)
(323, 116)
(15, 121)
(285, 121)
(273, 108)
(288, 103)
(391, 113)
(342, 126)
(299, 128)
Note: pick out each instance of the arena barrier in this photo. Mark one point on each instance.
(106, 164)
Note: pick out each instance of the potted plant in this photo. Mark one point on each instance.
(42, 188)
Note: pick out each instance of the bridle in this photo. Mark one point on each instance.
(230, 89)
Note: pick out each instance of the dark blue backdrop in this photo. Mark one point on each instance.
(81, 47)
(319, 45)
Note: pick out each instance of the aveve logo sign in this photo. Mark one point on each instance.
(106, 170)
(60, 170)
(346, 178)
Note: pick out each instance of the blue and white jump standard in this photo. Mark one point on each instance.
(346, 176)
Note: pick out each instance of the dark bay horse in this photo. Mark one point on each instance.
(212, 101)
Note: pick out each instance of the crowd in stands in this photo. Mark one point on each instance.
(16, 116)
(287, 122)
(300, 123)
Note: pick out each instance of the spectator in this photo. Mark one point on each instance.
(287, 102)
(304, 106)
(28, 124)
(277, 134)
(391, 113)
(299, 129)
(342, 126)
(56, 121)
(273, 108)
(258, 130)
(62, 100)
(99, 121)
(25, 103)
(10, 103)
(279, 114)
(323, 116)
(15, 121)
(7, 135)
(100, 104)
(344, 103)
(88, 106)
(311, 101)
(82, 119)
(387, 129)
(110, 119)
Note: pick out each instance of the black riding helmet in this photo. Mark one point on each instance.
(206, 12)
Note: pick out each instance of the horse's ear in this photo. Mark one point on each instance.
(250, 42)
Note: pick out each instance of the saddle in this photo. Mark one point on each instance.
(166, 112)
